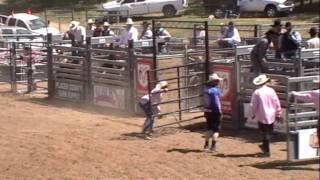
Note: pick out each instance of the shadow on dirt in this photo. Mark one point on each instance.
(285, 165)
(185, 151)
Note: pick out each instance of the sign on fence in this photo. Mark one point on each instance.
(109, 96)
(226, 86)
(143, 66)
(305, 149)
(68, 90)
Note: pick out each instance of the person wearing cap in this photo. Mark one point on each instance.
(106, 30)
(231, 37)
(276, 28)
(212, 111)
(130, 33)
(289, 41)
(313, 97)
(259, 51)
(90, 27)
(200, 34)
(163, 34)
(78, 33)
(147, 102)
(314, 41)
(146, 31)
(266, 109)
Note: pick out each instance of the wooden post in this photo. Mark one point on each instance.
(88, 87)
(51, 81)
(131, 71)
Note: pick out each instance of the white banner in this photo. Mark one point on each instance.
(109, 96)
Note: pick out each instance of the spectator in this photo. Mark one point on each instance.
(265, 107)
(231, 37)
(98, 31)
(78, 33)
(146, 103)
(277, 29)
(106, 30)
(312, 96)
(314, 41)
(200, 34)
(289, 41)
(163, 35)
(259, 51)
(212, 111)
(146, 31)
(130, 33)
(90, 27)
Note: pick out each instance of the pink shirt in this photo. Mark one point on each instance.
(265, 105)
(312, 96)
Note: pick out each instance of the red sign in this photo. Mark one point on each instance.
(226, 86)
(143, 66)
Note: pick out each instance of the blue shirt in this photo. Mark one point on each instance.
(212, 100)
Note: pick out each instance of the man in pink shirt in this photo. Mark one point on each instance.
(312, 96)
(265, 107)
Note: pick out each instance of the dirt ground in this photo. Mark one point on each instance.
(40, 139)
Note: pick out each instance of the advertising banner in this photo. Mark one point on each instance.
(305, 149)
(143, 66)
(109, 96)
(68, 90)
(226, 86)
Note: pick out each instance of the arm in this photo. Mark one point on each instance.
(253, 105)
(277, 105)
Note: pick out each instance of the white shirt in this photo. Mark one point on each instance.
(201, 34)
(126, 35)
(78, 32)
(235, 37)
(313, 43)
(90, 31)
(147, 34)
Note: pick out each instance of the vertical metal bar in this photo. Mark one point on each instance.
(51, 83)
(29, 71)
(59, 22)
(154, 49)
(195, 34)
(207, 63)
(179, 93)
(255, 31)
(86, 16)
(131, 61)
(13, 68)
(88, 63)
(287, 120)
(72, 14)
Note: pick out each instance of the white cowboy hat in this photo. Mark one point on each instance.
(106, 24)
(90, 21)
(75, 23)
(260, 79)
(162, 84)
(129, 21)
(214, 77)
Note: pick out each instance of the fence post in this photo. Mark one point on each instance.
(30, 80)
(207, 63)
(51, 83)
(13, 76)
(88, 71)
(255, 30)
(154, 49)
(131, 63)
(179, 93)
(194, 34)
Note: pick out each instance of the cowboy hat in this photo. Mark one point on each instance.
(129, 21)
(74, 24)
(162, 84)
(214, 77)
(261, 79)
(90, 21)
(106, 24)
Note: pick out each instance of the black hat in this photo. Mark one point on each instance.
(313, 30)
(276, 22)
(288, 24)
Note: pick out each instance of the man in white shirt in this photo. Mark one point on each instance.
(314, 42)
(129, 33)
(200, 34)
(90, 27)
(77, 32)
(231, 37)
(106, 30)
(146, 32)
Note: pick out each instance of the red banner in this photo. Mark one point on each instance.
(226, 86)
(143, 66)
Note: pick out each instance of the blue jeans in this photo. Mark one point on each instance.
(148, 124)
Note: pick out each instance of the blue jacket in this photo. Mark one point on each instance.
(212, 102)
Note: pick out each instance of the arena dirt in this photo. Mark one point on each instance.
(53, 140)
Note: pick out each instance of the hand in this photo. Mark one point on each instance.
(279, 120)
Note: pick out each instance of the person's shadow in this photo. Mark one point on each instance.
(184, 150)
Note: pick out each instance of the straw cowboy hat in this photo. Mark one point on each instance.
(129, 21)
(260, 80)
(214, 77)
(162, 84)
(106, 24)
(90, 21)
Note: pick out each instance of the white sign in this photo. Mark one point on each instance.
(225, 83)
(253, 123)
(67, 90)
(109, 96)
(143, 75)
(305, 151)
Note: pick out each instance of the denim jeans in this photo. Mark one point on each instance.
(148, 124)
